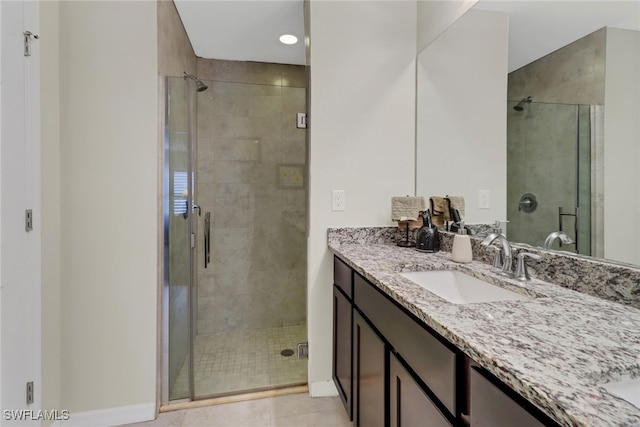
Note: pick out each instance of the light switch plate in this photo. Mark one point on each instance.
(338, 201)
(483, 199)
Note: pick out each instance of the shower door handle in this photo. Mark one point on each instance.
(207, 238)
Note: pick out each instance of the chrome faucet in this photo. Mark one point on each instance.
(564, 238)
(506, 250)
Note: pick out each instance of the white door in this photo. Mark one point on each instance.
(20, 265)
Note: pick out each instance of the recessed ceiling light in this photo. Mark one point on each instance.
(288, 39)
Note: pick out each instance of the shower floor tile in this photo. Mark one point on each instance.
(244, 360)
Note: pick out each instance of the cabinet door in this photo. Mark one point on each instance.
(433, 362)
(409, 404)
(369, 375)
(491, 407)
(342, 354)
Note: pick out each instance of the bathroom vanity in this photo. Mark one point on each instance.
(405, 357)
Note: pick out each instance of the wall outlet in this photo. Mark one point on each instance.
(483, 199)
(338, 201)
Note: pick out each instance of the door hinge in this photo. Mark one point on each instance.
(28, 220)
(303, 350)
(27, 42)
(30, 392)
(301, 121)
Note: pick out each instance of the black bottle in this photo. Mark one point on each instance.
(428, 238)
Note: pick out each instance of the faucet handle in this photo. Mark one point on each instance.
(521, 266)
(497, 258)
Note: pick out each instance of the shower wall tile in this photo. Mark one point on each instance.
(231, 284)
(270, 150)
(231, 172)
(236, 149)
(229, 126)
(573, 74)
(294, 151)
(175, 53)
(294, 77)
(266, 106)
(542, 138)
(258, 275)
(265, 127)
(256, 73)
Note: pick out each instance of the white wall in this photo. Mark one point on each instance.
(435, 16)
(461, 110)
(20, 281)
(361, 138)
(50, 146)
(622, 148)
(108, 209)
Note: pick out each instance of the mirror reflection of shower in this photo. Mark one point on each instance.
(549, 155)
(519, 106)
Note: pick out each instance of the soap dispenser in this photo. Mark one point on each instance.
(461, 251)
(427, 239)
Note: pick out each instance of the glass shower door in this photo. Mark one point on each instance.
(178, 253)
(549, 174)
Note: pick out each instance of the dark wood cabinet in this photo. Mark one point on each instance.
(342, 353)
(368, 375)
(432, 360)
(494, 405)
(409, 405)
(391, 369)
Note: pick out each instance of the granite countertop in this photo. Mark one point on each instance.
(554, 349)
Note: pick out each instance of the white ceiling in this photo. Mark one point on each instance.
(248, 30)
(244, 30)
(537, 28)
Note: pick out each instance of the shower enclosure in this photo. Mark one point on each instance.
(235, 238)
(551, 178)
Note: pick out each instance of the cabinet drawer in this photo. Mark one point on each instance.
(432, 360)
(492, 407)
(342, 277)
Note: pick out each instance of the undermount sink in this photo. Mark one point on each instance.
(628, 390)
(460, 288)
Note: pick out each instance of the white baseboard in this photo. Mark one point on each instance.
(323, 389)
(111, 416)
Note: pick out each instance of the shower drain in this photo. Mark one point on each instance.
(287, 352)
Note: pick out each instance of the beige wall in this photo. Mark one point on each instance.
(108, 188)
(361, 138)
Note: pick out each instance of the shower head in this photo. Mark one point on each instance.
(200, 87)
(519, 106)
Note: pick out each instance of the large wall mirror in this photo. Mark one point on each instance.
(531, 111)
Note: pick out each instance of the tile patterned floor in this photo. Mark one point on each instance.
(244, 360)
(282, 411)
